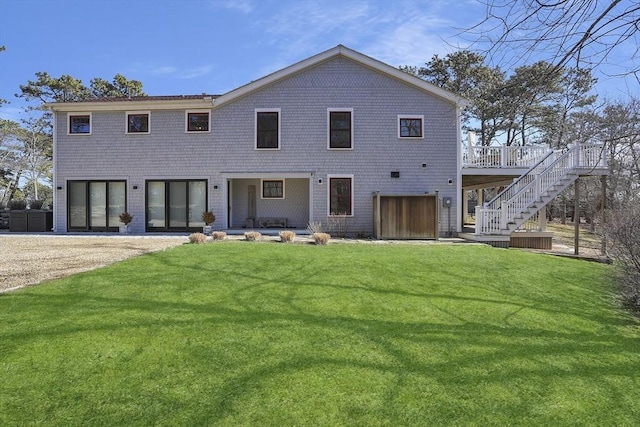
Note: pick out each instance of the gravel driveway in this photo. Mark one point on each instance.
(29, 259)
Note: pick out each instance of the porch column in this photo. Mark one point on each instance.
(465, 206)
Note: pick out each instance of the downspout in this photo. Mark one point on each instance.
(438, 212)
(378, 223)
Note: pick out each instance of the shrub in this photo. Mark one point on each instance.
(197, 238)
(252, 236)
(36, 204)
(125, 218)
(321, 238)
(219, 235)
(338, 224)
(314, 227)
(287, 236)
(208, 217)
(622, 232)
(17, 205)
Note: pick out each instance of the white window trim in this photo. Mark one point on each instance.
(411, 116)
(339, 110)
(272, 179)
(69, 115)
(186, 121)
(255, 128)
(329, 176)
(126, 122)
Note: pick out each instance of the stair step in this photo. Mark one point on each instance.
(528, 209)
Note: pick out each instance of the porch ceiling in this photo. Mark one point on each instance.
(470, 182)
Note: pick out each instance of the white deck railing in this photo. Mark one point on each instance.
(505, 156)
(494, 216)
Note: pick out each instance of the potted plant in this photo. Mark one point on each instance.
(208, 218)
(125, 218)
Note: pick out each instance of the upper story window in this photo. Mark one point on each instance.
(138, 122)
(79, 123)
(410, 127)
(273, 189)
(340, 195)
(340, 128)
(268, 129)
(198, 121)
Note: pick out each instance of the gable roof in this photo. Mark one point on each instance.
(207, 101)
(340, 51)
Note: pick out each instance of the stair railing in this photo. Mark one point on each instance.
(529, 188)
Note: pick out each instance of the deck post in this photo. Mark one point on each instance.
(576, 217)
(603, 210)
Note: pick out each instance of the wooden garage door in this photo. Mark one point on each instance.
(406, 217)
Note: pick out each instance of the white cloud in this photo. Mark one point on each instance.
(173, 71)
(400, 32)
(194, 72)
(162, 70)
(309, 27)
(244, 6)
(412, 42)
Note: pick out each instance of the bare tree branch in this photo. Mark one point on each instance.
(585, 32)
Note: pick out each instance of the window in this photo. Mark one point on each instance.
(340, 128)
(273, 189)
(138, 122)
(79, 123)
(268, 129)
(95, 205)
(410, 127)
(175, 205)
(198, 121)
(340, 195)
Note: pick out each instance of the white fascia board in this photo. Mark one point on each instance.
(130, 105)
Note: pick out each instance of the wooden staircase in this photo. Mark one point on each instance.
(533, 190)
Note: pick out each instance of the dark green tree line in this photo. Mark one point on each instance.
(528, 106)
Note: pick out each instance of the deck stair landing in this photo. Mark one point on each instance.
(532, 191)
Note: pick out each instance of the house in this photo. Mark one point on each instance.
(316, 139)
(339, 139)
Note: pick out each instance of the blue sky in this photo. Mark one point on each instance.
(213, 46)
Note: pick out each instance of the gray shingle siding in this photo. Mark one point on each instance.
(228, 150)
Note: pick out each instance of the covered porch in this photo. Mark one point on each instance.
(268, 201)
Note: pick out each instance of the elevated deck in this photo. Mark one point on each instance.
(494, 166)
(532, 177)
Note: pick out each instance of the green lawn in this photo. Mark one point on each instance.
(270, 334)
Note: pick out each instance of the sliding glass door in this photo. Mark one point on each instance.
(95, 205)
(176, 205)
